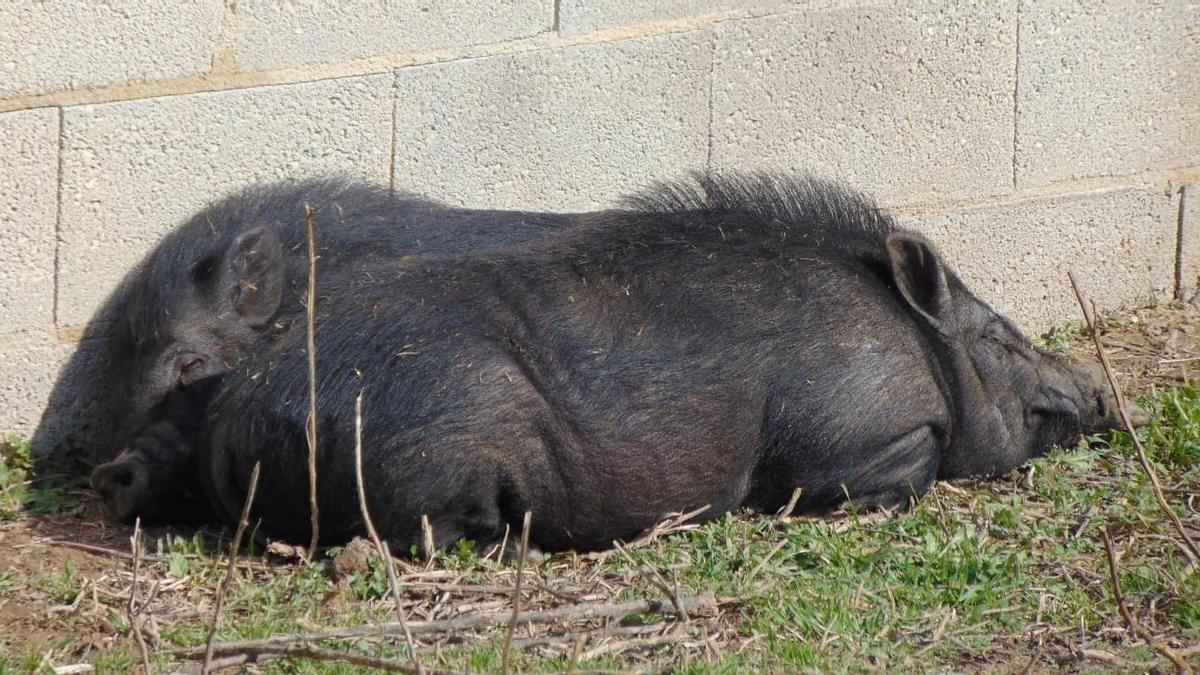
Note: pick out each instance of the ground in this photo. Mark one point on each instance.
(1009, 574)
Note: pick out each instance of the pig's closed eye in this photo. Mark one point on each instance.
(189, 368)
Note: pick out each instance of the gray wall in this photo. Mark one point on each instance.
(1026, 135)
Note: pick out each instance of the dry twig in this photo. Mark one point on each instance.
(655, 581)
(305, 651)
(310, 427)
(576, 649)
(233, 549)
(767, 558)
(134, 613)
(73, 669)
(700, 604)
(786, 511)
(1106, 657)
(1123, 409)
(427, 541)
(385, 556)
(516, 610)
(90, 548)
(1138, 630)
(670, 524)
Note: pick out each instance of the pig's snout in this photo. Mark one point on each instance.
(122, 485)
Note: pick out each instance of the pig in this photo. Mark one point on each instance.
(715, 342)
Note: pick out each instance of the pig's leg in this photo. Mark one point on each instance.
(897, 474)
(881, 476)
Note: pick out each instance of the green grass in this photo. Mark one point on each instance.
(987, 574)
(21, 493)
(16, 466)
(1060, 338)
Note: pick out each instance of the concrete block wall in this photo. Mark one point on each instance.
(1026, 136)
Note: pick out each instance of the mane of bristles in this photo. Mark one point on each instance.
(797, 202)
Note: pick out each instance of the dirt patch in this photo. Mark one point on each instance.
(64, 579)
(1149, 347)
(57, 580)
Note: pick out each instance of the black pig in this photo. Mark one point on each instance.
(718, 343)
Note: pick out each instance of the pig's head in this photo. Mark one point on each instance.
(195, 311)
(1011, 401)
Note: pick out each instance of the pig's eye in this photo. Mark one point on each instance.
(996, 340)
(189, 367)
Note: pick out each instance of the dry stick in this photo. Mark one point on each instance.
(652, 577)
(516, 610)
(1123, 408)
(1132, 622)
(573, 664)
(767, 558)
(702, 603)
(310, 428)
(937, 501)
(233, 549)
(385, 556)
(135, 544)
(89, 548)
(786, 512)
(427, 541)
(677, 522)
(503, 544)
(1099, 655)
(304, 651)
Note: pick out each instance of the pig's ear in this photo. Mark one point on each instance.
(920, 275)
(254, 276)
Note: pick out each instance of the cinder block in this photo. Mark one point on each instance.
(583, 16)
(54, 46)
(1106, 88)
(131, 171)
(1189, 245)
(26, 377)
(564, 129)
(29, 194)
(1121, 244)
(910, 102)
(274, 34)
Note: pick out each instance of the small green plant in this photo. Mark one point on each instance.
(30, 661)
(1175, 432)
(22, 491)
(371, 585)
(121, 661)
(1060, 338)
(461, 557)
(64, 586)
(1113, 319)
(16, 466)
